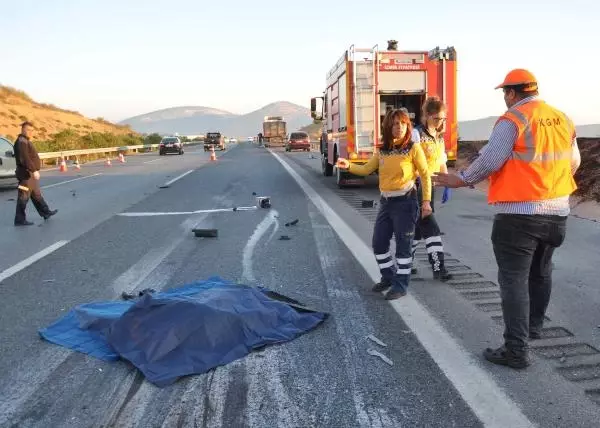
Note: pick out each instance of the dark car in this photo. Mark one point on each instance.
(298, 141)
(170, 145)
(214, 140)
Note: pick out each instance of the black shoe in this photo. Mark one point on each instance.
(442, 275)
(394, 294)
(506, 357)
(535, 334)
(23, 223)
(381, 286)
(50, 214)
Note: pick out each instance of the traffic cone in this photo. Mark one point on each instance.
(107, 163)
(77, 166)
(121, 158)
(63, 165)
(213, 156)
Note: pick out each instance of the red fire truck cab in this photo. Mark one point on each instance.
(364, 84)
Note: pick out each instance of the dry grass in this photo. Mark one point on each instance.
(16, 107)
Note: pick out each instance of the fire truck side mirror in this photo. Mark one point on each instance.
(316, 108)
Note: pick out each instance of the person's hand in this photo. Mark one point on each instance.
(447, 180)
(36, 175)
(426, 209)
(446, 195)
(342, 163)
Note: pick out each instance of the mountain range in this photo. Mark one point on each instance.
(194, 120)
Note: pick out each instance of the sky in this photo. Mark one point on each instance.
(117, 59)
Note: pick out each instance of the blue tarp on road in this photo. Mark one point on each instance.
(182, 331)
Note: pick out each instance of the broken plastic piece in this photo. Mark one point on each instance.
(253, 193)
(292, 223)
(127, 296)
(206, 233)
(368, 204)
(377, 341)
(284, 238)
(146, 291)
(263, 201)
(380, 355)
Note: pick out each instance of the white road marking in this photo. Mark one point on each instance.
(261, 229)
(216, 210)
(479, 390)
(70, 181)
(154, 160)
(30, 260)
(168, 183)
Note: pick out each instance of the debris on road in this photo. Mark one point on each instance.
(292, 223)
(206, 233)
(367, 204)
(130, 296)
(284, 238)
(161, 336)
(263, 201)
(253, 193)
(49, 280)
(380, 355)
(376, 340)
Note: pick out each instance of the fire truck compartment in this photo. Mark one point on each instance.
(412, 102)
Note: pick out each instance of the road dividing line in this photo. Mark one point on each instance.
(70, 181)
(168, 183)
(216, 210)
(479, 390)
(154, 160)
(30, 260)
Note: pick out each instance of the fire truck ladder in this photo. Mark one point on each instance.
(364, 63)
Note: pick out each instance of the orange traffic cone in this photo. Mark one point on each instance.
(121, 158)
(213, 156)
(63, 165)
(77, 166)
(107, 163)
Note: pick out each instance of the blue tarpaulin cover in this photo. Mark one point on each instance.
(183, 331)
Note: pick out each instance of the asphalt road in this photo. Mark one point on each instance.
(325, 378)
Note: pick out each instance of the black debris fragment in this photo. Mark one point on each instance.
(292, 223)
(284, 238)
(206, 233)
(367, 204)
(253, 193)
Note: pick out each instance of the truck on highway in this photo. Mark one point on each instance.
(363, 84)
(214, 139)
(274, 131)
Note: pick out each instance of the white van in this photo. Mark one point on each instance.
(7, 164)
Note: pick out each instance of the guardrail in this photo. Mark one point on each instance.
(66, 154)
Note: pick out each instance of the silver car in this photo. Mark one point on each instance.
(7, 164)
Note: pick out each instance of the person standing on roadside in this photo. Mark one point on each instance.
(28, 173)
(431, 137)
(530, 158)
(398, 162)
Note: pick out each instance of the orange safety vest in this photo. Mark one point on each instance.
(540, 165)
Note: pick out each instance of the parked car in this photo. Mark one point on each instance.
(8, 164)
(298, 141)
(170, 145)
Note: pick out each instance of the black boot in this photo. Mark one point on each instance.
(439, 268)
(383, 285)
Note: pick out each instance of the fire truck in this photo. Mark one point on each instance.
(274, 131)
(364, 84)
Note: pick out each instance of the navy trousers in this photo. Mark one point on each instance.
(397, 217)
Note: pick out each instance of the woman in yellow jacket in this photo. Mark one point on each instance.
(398, 161)
(431, 137)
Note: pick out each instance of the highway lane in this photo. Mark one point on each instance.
(559, 390)
(87, 197)
(324, 378)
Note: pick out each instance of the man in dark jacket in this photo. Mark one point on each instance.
(28, 173)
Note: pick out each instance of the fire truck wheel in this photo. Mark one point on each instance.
(340, 178)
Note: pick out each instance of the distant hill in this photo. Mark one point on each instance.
(480, 129)
(16, 107)
(192, 120)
